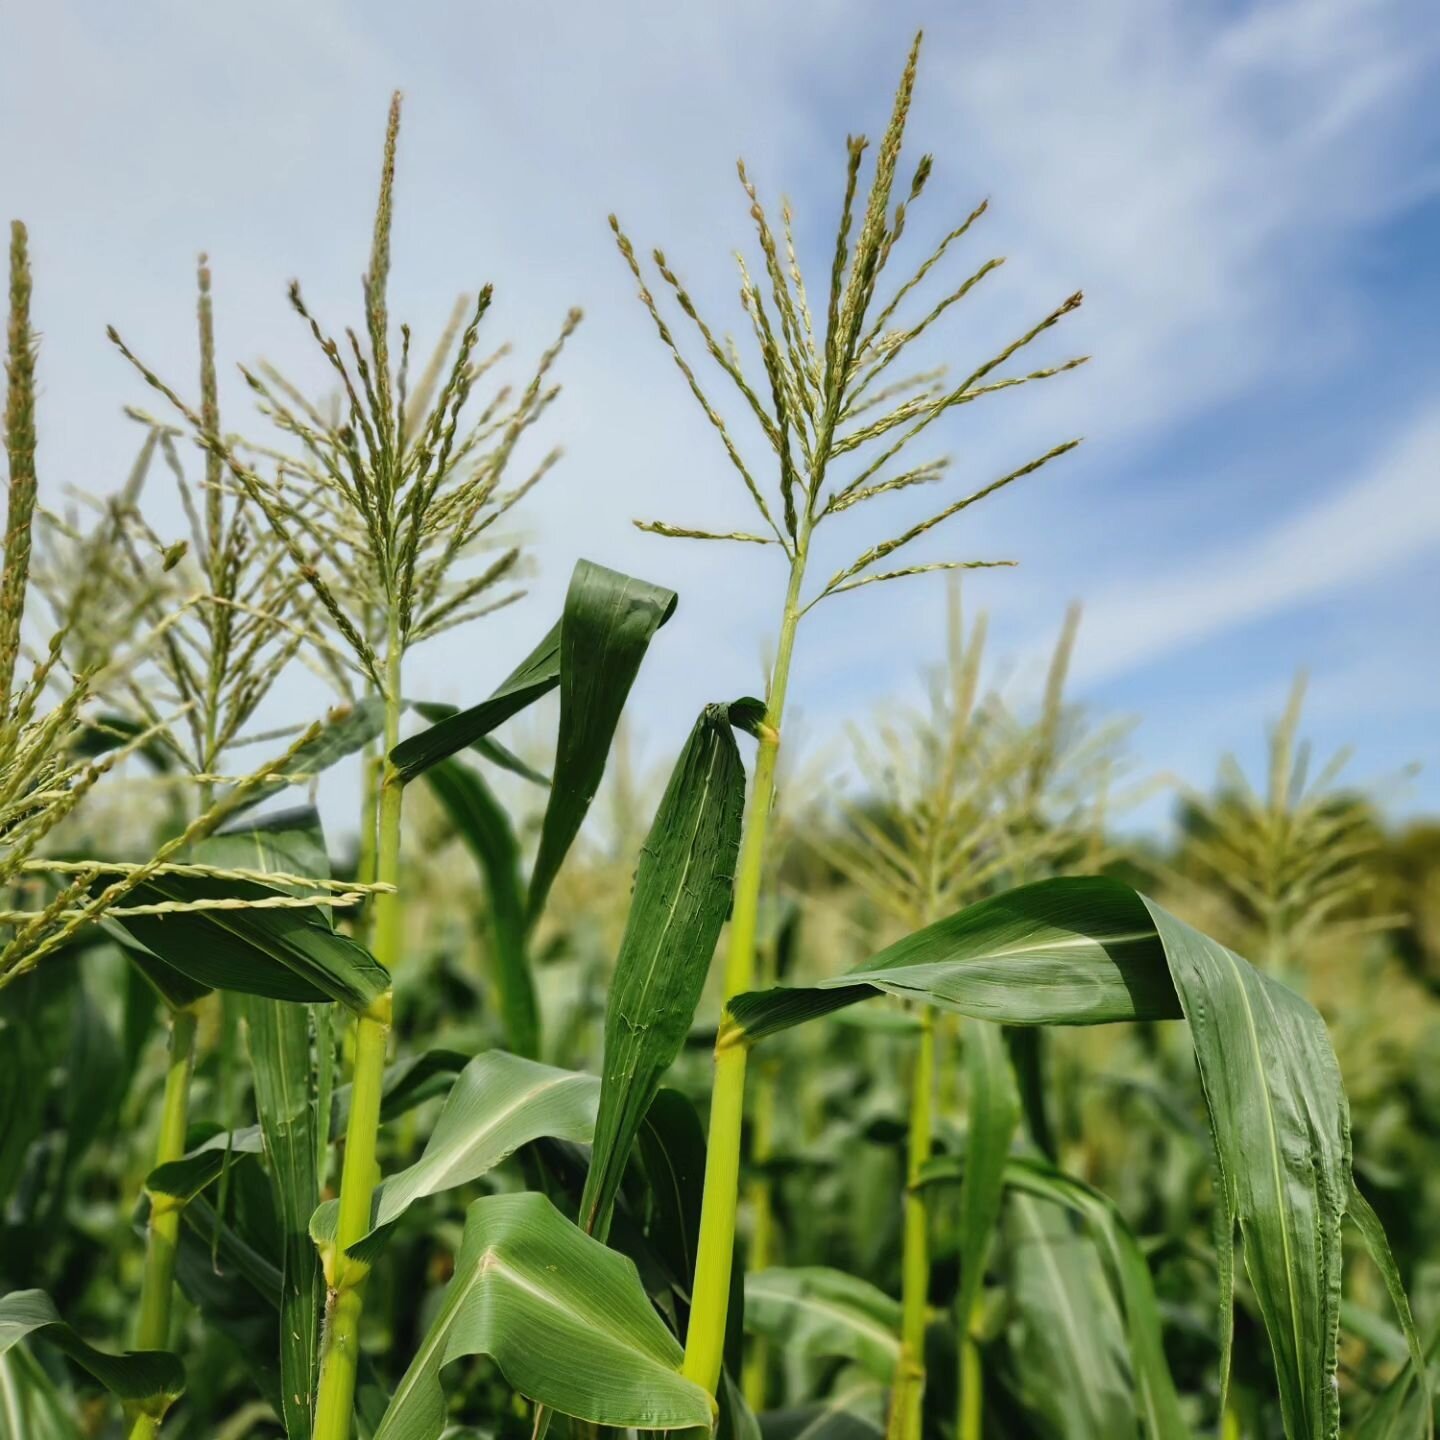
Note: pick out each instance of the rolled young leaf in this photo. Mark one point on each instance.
(682, 893)
(565, 1319)
(148, 1381)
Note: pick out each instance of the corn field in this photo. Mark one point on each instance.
(550, 1093)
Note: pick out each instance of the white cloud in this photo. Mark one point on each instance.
(1374, 525)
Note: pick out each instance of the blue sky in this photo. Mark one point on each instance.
(1249, 195)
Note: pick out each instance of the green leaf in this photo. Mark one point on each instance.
(672, 1148)
(483, 826)
(1372, 1232)
(499, 1103)
(109, 732)
(600, 604)
(280, 1058)
(408, 1083)
(1069, 1339)
(993, 1107)
(278, 953)
(682, 893)
(31, 1405)
(199, 1168)
(856, 1412)
(347, 730)
(607, 626)
(565, 1319)
(285, 1082)
(487, 746)
(817, 1312)
(1063, 952)
(1083, 951)
(1156, 1399)
(148, 1381)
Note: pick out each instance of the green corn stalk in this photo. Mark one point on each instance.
(828, 399)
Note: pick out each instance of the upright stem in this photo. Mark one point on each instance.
(152, 1331)
(360, 1173)
(908, 1394)
(972, 1394)
(710, 1296)
(762, 1234)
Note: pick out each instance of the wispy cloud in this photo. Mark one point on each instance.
(1208, 173)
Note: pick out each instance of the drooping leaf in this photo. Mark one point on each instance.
(282, 954)
(485, 829)
(565, 1319)
(607, 626)
(197, 1169)
(409, 1082)
(1062, 952)
(682, 893)
(818, 1312)
(598, 598)
(148, 1381)
(499, 1103)
(1084, 951)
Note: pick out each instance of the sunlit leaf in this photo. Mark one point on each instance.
(565, 1319)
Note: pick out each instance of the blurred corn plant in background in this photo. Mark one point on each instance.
(959, 1199)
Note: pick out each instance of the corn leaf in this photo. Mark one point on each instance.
(817, 1312)
(499, 1103)
(1069, 1339)
(856, 1412)
(993, 1107)
(672, 1148)
(286, 1102)
(148, 1381)
(1155, 1396)
(408, 1083)
(565, 1319)
(485, 829)
(607, 626)
(31, 1404)
(600, 603)
(282, 954)
(682, 893)
(1083, 951)
(487, 746)
(345, 732)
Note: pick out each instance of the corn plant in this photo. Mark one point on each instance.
(831, 395)
(460, 1235)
